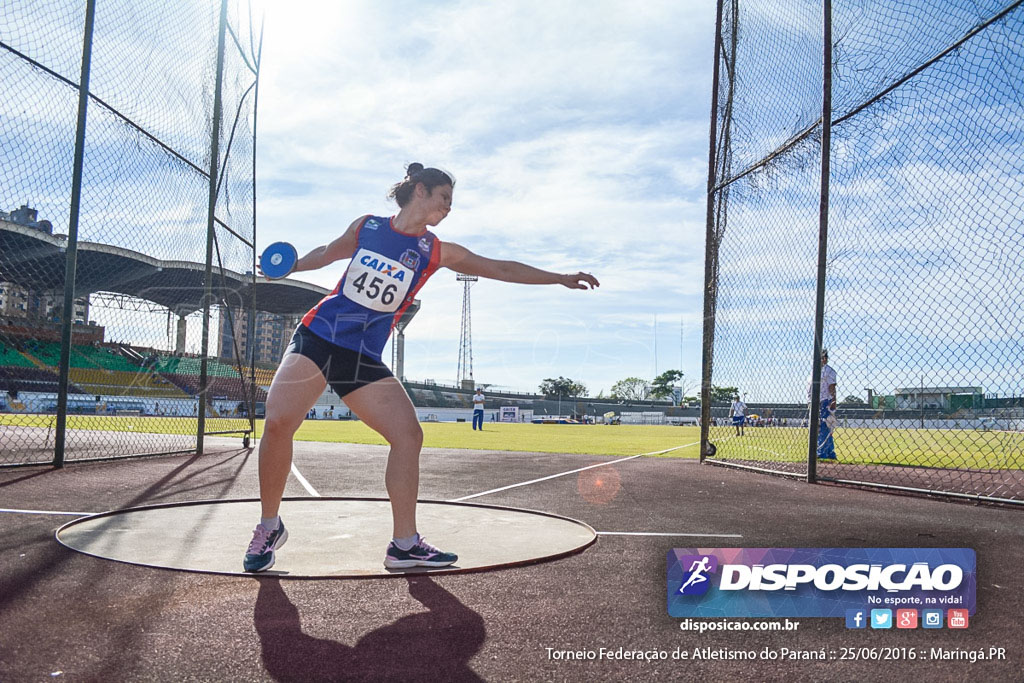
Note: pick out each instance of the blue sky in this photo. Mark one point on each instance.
(577, 134)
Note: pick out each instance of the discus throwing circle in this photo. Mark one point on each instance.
(327, 537)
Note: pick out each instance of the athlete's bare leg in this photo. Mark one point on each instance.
(385, 407)
(296, 387)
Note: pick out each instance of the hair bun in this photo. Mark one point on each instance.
(413, 168)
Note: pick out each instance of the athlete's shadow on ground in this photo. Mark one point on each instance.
(434, 645)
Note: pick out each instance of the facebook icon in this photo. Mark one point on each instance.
(856, 618)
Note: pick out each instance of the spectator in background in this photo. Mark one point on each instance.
(739, 414)
(827, 417)
(478, 409)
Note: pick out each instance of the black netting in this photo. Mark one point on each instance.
(923, 250)
(135, 371)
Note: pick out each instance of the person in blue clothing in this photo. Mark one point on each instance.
(478, 409)
(339, 343)
(827, 409)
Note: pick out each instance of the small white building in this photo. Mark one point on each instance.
(939, 398)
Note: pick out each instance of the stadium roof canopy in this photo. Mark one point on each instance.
(34, 259)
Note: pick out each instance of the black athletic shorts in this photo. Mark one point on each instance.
(345, 370)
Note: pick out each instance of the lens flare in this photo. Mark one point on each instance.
(599, 486)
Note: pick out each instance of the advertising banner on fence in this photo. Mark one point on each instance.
(819, 582)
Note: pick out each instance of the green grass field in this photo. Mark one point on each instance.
(945, 448)
(583, 439)
(965, 449)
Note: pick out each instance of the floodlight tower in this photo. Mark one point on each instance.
(465, 371)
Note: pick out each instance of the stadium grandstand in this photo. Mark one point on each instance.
(162, 383)
(115, 377)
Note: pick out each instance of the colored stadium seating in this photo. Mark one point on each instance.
(82, 356)
(10, 357)
(31, 365)
(224, 379)
(264, 377)
(219, 387)
(186, 365)
(120, 383)
(101, 357)
(15, 379)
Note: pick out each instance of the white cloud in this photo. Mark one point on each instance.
(577, 135)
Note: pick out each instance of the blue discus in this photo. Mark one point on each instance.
(278, 260)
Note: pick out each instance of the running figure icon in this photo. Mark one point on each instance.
(697, 571)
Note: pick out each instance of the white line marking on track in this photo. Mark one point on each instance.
(302, 480)
(563, 474)
(46, 512)
(661, 533)
(770, 452)
(733, 436)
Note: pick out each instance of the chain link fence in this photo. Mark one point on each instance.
(127, 226)
(900, 255)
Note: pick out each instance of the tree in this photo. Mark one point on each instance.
(852, 400)
(563, 386)
(687, 388)
(631, 389)
(723, 394)
(662, 385)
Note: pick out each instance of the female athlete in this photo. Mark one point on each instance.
(339, 342)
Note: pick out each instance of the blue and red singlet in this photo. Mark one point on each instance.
(386, 271)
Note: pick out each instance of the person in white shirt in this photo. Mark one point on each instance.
(827, 417)
(738, 412)
(478, 409)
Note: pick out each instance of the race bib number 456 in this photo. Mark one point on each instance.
(377, 282)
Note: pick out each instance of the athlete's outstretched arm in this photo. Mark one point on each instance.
(339, 249)
(458, 258)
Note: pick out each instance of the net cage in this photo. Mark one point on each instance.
(899, 255)
(127, 226)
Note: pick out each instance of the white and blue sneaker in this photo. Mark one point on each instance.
(421, 554)
(260, 555)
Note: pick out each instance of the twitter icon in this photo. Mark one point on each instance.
(881, 618)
